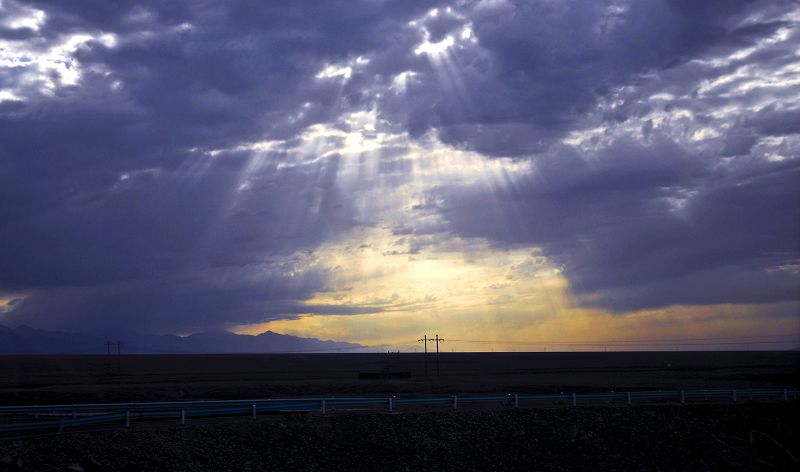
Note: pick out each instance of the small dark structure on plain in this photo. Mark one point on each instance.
(389, 371)
(384, 374)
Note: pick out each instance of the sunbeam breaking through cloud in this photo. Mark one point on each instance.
(579, 171)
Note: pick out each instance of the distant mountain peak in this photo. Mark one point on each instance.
(27, 340)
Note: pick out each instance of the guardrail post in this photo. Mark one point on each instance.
(715, 395)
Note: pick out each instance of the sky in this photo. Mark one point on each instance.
(508, 175)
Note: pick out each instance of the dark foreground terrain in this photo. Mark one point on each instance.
(744, 436)
(68, 379)
(653, 437)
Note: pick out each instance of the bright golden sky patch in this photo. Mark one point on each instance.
(466, 291)
(6, 301)
(431, 281)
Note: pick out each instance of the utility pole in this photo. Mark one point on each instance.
(110, 360)
(424, 342)
(437, 354)
(108, 357)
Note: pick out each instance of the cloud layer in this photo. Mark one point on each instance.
(177, 167)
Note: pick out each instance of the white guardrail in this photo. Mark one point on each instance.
(17, 419)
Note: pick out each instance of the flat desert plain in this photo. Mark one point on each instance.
(647, 436)
(49, 379)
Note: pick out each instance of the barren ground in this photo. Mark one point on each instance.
(49, 379)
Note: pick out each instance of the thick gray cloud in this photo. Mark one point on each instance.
(141, 186)
(643, 227)
(539, 67)
(113, 211)
(681, 184)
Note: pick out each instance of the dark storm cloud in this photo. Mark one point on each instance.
(134, 197)
(643, 227)
(112, 212)
(165, 253)
(650, 211)
(538, 67)
(149, 225)
(182, 304)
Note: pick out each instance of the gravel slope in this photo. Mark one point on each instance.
(657, 437)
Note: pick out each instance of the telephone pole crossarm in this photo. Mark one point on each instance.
(424, 342)
(438, 339)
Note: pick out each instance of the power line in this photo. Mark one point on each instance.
(706, 338)
(619, 343)
(754, 339)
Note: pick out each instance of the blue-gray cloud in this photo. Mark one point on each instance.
(679, 183)
(643, 227)
(662, 136)
(123, 198)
